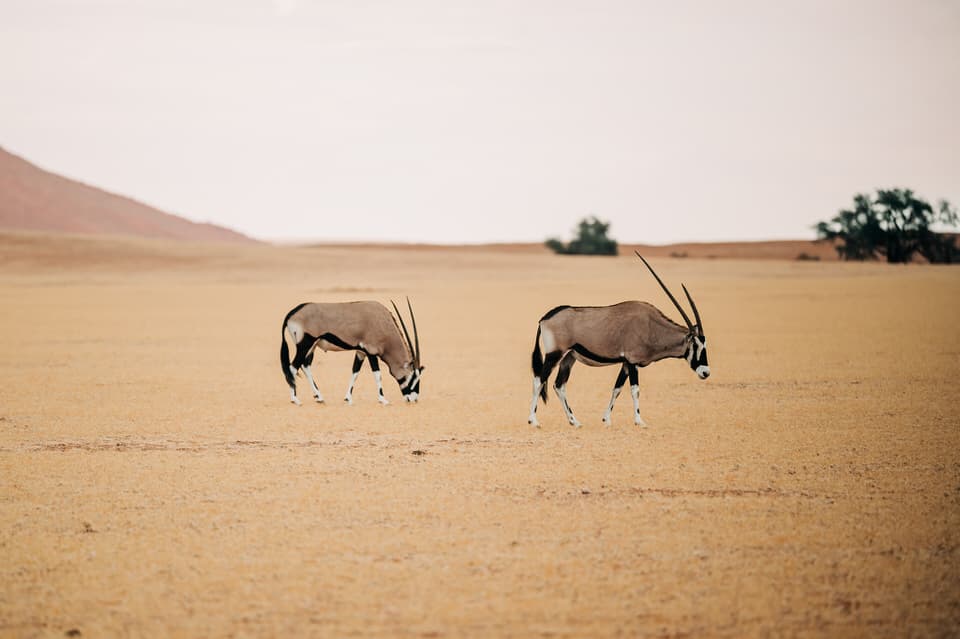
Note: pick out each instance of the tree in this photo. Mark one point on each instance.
(895, 224)
(590, 239)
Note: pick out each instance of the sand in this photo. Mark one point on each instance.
(156, 481)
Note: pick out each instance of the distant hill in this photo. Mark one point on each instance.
(36, 200)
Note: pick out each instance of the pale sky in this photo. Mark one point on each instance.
(482, 121)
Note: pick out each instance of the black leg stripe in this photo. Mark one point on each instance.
(357, 362)
(622, 377)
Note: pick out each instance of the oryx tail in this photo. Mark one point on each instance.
(285, 350)
(537, 362)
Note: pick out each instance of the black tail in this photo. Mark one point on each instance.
(285, 350)
(537, 363)
(285, 357)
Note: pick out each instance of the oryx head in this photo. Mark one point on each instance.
(696, 342)
(409, 377)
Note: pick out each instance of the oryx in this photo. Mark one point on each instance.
(365, 327)
(632, 334)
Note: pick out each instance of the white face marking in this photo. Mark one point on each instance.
(703, 372)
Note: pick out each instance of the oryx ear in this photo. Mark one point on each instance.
(422, 368)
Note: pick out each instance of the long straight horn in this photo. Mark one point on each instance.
(696, 314)
(416, 336)
(403, 325)
(667, 291)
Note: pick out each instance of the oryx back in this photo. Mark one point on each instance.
(366, 326)
(629, 332)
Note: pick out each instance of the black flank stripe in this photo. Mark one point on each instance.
(598, 358)
(339, 343)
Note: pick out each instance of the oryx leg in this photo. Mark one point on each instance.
(308, 360)
(560, 385)
(357, 365)
(375, 365)
(617, 387)
(549, 361)
(635, 393)
(304, 349)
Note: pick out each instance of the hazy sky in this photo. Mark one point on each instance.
(488, 121)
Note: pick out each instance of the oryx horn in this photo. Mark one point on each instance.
(669, 294)
(406, 333)
(696, 314)
(416, 336)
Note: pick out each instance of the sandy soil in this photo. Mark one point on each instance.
(157, 482)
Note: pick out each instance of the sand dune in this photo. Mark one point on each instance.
(157, 482)
(37, 200)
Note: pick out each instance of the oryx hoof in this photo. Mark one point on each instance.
(640, 422)
(294, 400)
(348, 400)
(607, 421)
(383, 401)
(533, 422)
(575, 423)
(319, 399)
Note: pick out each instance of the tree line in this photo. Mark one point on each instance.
(893, 224)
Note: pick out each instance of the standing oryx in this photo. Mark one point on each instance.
(365, 327)
(632, 334)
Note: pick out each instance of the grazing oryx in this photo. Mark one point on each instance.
(632, 334)
(365, 327)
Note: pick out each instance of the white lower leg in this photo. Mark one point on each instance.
(533, 405)
(613, 398)
(313, 385)
(635, 393)
(293, 396)
(562, 394)
(380, 397)
(348, 398)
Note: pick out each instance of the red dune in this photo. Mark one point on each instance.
(32, 199)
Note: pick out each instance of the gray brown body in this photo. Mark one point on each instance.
(635, 333)
(629, 334)
(366, 327)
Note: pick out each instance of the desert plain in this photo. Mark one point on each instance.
(155, 480)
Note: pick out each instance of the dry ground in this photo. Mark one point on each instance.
(157, 482)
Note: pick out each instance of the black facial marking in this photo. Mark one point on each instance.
(697, 356)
